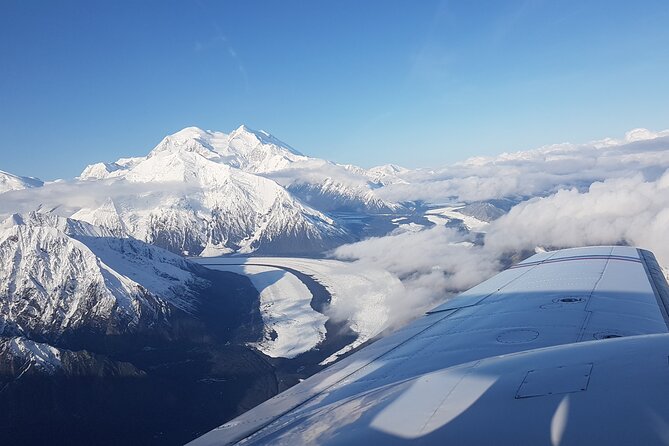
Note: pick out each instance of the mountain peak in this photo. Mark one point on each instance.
(189, 139)
(246, 129)
(189, 133)
(9, 181)
(244, 148)
(243, 128)
(249, 136)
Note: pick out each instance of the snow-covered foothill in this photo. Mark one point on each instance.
(387, 174)
(36, 354)
(59, 274)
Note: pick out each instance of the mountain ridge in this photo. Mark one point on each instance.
(10, 181)
(59, 275)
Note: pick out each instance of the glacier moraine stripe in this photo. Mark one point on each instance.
(570, 259)
(321, 295)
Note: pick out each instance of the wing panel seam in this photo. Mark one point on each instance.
(532, 266)
(657, 282)
(588, 313)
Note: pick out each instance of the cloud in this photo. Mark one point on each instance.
(435, 263)
(629, 210)
(432, 264)
(65, 198)
(601, 193)
(537, 172)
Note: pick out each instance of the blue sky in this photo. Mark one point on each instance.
(418, 83)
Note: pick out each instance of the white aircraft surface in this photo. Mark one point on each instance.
(566, 347)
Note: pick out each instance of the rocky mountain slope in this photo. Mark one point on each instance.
(97, 331)
(59, 275)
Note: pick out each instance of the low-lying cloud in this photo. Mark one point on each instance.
(630, 210)
(537, 172)
(603, 193)
(64, 198)
(432, 265)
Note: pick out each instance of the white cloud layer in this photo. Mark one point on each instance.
(605, 192)
(432, 264)
(64, 198)
(628, 210)
(537, 172)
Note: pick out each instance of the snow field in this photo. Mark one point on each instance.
(291, 327)
(360, 298)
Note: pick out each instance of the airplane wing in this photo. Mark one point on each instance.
(566, 347)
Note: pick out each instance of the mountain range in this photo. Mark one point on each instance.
(98, 295)
(67, 274)
(115, 330)
(208, 193)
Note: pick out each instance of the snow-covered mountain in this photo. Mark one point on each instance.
(59, 275)
(335, 187)
(322, 184)
(10, 181)
(30, 355)
(330, 195)
(486, 211)
(387, 174)
(196, 200)
(20, 356)
(245, 149)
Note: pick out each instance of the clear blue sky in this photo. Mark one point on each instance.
(419, 83)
